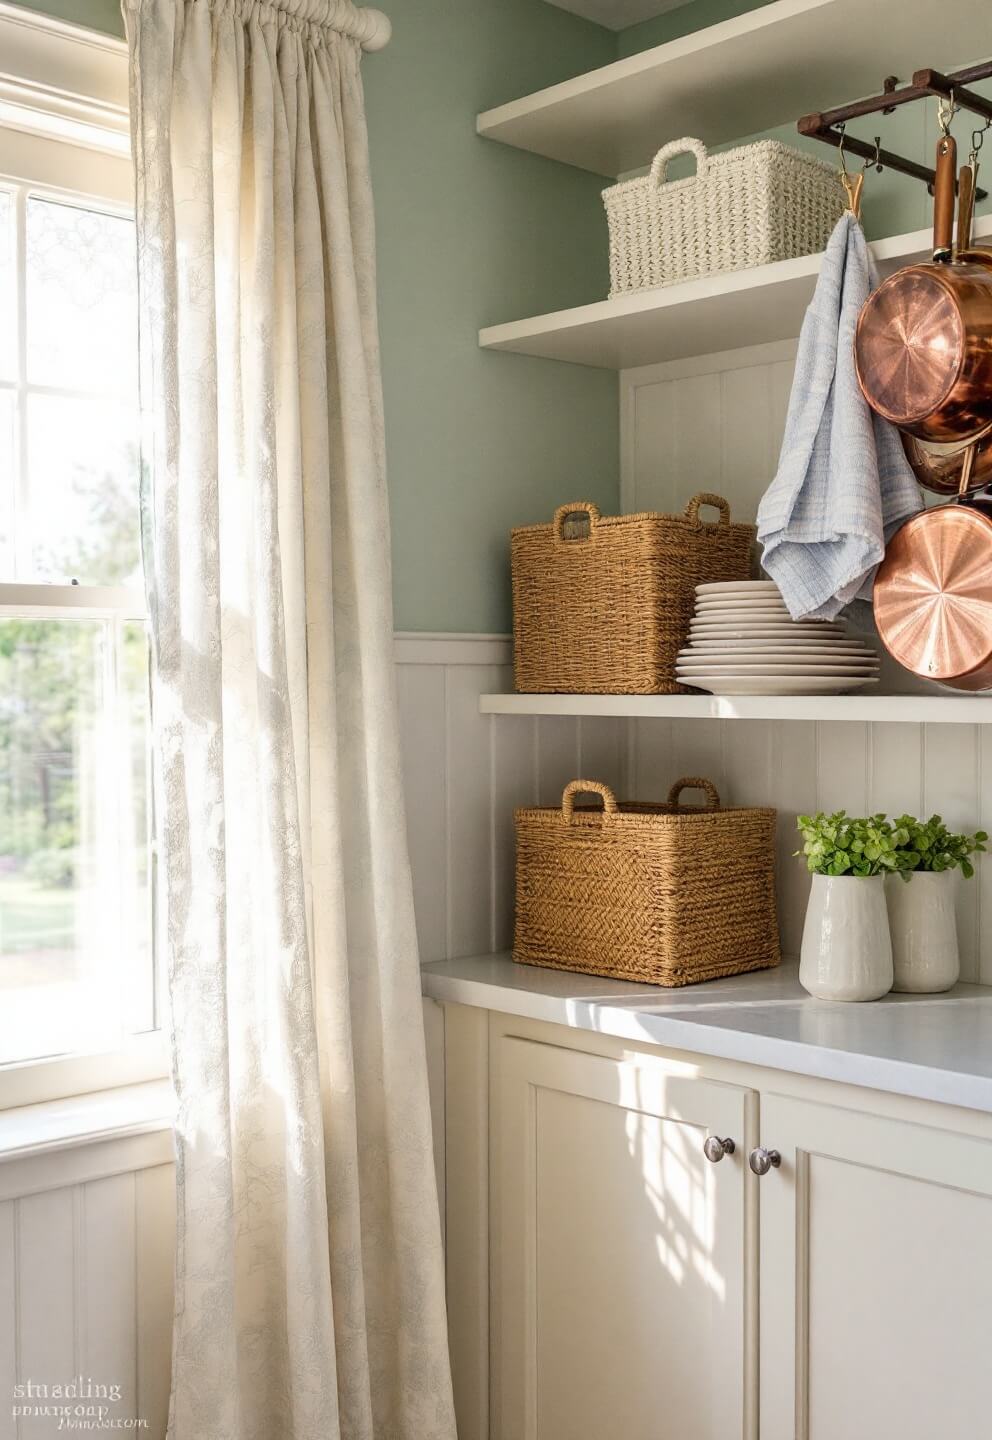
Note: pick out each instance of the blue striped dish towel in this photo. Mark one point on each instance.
(843, 485)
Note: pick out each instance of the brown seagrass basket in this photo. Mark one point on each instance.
(603, 607)
(668, 894)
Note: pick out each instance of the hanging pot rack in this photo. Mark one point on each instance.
(830, 126)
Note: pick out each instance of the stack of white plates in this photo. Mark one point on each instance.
(744, 642)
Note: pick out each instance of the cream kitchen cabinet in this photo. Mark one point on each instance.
(606, 1278)
(622, 1303)
(875, 1276)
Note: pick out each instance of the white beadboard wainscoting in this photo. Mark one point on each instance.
(464, 774)
(86, 1255)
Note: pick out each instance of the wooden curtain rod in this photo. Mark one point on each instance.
(829, 125)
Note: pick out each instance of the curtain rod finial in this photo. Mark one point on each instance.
(381, 32)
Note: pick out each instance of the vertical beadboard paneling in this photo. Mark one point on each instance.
(557, 757)
(8, 1314)
(468, 770)
(896, 769)
(514, 780)
(653, 421)
(792, 790)
(696, 450)
(952, 775)
(697, 750)
(650, 770)
(843, 763)
(421, 699)
(747, 761)
(707, 423)
(601, 752)
(745, 433)
(465, 773)
(46, 1268)
(106, 1281)
(154, 1252)
(86, 1283)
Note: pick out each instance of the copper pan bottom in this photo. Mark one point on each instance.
(933, 597)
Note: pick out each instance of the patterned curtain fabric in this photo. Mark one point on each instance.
(310, 1299)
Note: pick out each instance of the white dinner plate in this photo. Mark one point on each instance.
(776, 684)
(746, 613)
(776, 647)
(774, 668)
(721, 659)
(740, 618)
(738, 587)
(762, 630)
(725, 606)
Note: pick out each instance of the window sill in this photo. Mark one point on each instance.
(117, 1114)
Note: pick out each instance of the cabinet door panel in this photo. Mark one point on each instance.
(620, 1295)
(876, 1277)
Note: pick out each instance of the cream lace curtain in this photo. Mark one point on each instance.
(309, 1281)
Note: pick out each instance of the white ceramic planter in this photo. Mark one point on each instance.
(924, 931)
(846, 951)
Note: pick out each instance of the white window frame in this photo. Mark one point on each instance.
(64, 132)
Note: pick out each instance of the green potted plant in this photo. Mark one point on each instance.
(920, 900)
(846, 951)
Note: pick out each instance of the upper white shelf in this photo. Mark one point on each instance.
(721, 312)
(618, 14)
(899, 709)
(786, 59)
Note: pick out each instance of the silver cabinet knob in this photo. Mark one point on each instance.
(761, 1160)
(714, 1148)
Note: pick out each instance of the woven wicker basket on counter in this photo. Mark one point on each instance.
(668, 894)
(606, 610)
(748, 206)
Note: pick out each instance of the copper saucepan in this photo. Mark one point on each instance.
(933, 596)
(939, 467)
(923, 347)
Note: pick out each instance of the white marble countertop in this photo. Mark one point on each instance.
(933, 1047)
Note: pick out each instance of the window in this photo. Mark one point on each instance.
(77, 973)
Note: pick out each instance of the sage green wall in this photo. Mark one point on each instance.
(472, 233)
(102, 15)
(681, 21)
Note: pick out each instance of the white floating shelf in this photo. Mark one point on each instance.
(618, 14)
(721, 312)
(783, 60)
(888, 709)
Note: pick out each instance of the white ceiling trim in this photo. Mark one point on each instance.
(63, 82)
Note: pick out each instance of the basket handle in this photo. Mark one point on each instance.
(587, 787)
(695, 782)
(686, 146)
(562, 514)
(705, 498)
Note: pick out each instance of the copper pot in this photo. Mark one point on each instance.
(923, 347)
(933, 596)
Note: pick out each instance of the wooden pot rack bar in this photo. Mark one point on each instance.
(830, 125)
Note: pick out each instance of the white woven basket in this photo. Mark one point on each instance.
(744, 207)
